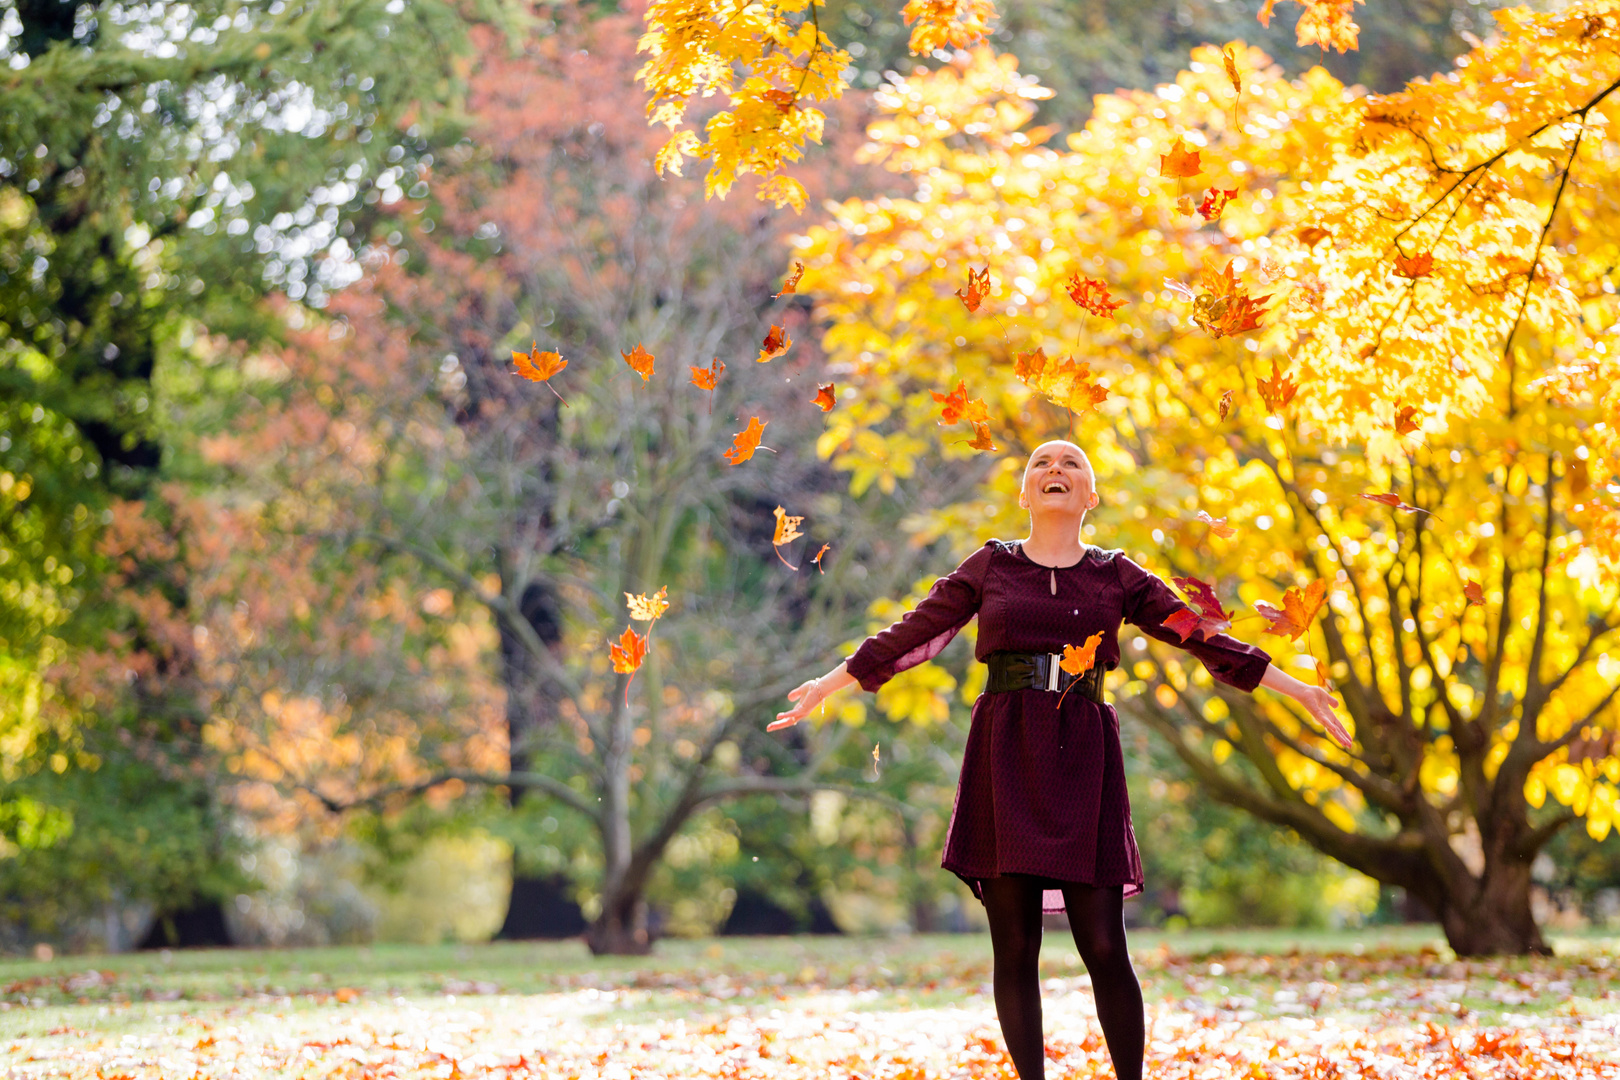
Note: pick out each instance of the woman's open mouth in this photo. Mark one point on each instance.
(1058, 486)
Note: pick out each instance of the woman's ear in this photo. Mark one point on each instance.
(1094, 501)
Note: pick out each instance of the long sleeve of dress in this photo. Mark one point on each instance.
(1149, 601)
(923, 632)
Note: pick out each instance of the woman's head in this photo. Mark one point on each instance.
(1058, 480)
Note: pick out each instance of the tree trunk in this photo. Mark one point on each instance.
(1496, 920)
(621, 928)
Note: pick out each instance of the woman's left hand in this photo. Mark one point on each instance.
(1322, 704)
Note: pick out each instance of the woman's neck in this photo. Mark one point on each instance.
(1054, 542)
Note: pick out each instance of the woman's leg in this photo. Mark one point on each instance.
(1013, 903)
(1097, 917)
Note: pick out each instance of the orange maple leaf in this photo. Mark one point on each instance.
(826, 397)
(1473, 593)
(1077, 661)
(746, 441)
(1218, 526)
(1205, 616)
(1215, 201)
(783, 100)
(792, 283)
(817, 559)
(1406, 421)
(1065, 382)
(1226, 309)
(981, 437)
(957, 406)
(1299, 610)
(1311, 235)
(707, 378)
(1092, 295)
(1278, 390)
(648, 608)
(1414, 266)
(1180, 161)
(628, 652)
(537, 366)
(787, 531)
(1321, 674)
(1226, 404)
(1232, 70)
(776, 343)
(978, 287)
(640, 361)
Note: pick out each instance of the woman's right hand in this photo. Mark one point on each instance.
(807, 696)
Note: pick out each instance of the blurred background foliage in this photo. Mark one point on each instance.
(186, 193)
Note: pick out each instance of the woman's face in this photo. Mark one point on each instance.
(1058, 479)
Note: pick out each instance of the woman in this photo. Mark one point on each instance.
(1042, 821)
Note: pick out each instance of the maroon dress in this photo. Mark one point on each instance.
(1042, 790)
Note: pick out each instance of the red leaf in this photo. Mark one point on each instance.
(1210, 617)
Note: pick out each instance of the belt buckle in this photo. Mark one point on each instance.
(1052, 670)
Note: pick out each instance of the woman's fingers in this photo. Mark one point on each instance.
(783, 720)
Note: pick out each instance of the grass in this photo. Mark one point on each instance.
(1221, 1003)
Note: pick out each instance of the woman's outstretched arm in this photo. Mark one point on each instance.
(1319, 701)
(808, 695)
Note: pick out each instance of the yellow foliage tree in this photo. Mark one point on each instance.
(1339, 296)
(771, 61)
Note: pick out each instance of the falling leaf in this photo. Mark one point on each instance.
(981, 437)
(1473, 593)
(648, 608)
(1389, 498)
(1186, 207)
(1278, 390)
(640, 361)
(876, 763)
(1225, 405)
(1215, 201)
(1218, 526)
(1299, 610)
(817, 559)
(1406, 421)
(1226, 308)
(1065, 382)
(792, 283)
(746, 441)
(957, 406)
(1092, 295)
(787, 531)
(1232, 70)
(978, 287)
(706, 378)
(537, 366)
(1321, 674)
(1180, 161)
(1311, 235)
(776, 343)
(628, 652)
(1415, 266)
(826, 397)
(1206, 616)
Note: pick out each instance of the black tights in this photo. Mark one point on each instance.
(1097, 917)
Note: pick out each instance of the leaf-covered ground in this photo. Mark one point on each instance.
(1236, 1005)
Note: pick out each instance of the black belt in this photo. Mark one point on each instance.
(1011, 671)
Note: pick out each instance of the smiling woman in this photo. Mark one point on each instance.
(1042, 820)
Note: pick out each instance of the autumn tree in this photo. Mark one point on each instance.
(1359, 359)
(645, 323)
